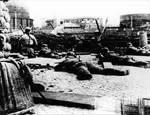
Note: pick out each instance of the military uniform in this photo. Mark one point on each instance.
(131, 50)
(84, 70)
(27, 44)
(120, 60)
(46, 52)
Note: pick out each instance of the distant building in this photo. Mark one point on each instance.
(85, 21)
(51, 23)
(19, 16)
(134, 20)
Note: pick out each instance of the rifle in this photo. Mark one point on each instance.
(52, 26)
(98, 26)
(101, 32)
(22, 29)
(40, 66)
(28, 35)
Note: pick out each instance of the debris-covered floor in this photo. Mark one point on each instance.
(116, 87)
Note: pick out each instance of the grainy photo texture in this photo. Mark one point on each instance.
(76, 57)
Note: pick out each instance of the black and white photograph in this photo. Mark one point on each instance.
(74, 57)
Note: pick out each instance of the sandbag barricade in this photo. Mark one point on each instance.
(15, 93)
(4, 16)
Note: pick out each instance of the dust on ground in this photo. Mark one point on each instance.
(134, 85)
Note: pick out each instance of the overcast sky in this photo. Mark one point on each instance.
(43, 9)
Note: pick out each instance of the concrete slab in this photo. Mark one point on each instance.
(79, 103)
(134, 85)
(104, 106)
(65, 99)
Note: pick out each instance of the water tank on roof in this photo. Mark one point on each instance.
(134, 20)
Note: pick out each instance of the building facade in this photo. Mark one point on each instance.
(134, 20)
(19, 17)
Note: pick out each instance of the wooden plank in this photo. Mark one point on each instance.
(65, 99)
(23, 112)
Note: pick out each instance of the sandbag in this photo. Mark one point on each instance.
(2, 22)
(7, 47)
(6, 9)
(7, 25)
(2, 5)
(4, 16)
(1, 13)
(15, 91)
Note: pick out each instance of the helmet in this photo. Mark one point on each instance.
(104, 50)
(129, 44)
(27, 29)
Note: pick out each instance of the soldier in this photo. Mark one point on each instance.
(47, 52)
(116, 58)
(131, 50)
(84, 70)
(27, 44)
